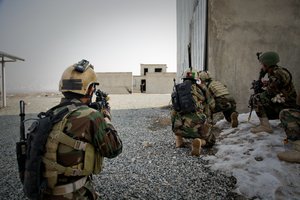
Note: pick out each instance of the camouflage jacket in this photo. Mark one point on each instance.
(280, 82)
(88, 125)
(290, 120)
(209, 103)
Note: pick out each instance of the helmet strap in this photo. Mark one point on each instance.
(91, 91)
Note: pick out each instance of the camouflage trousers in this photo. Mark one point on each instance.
(225, 104)
(290, 119)
(265, 108)
(87, 192)
(191, 126)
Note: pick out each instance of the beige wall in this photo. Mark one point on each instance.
(237, 29)
(115, 82)
(160, 83)
(151, 67)
(156, 83)
(136, 82)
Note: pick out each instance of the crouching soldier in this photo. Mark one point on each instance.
(188, 118)
(290, 119)
(278, 92)
(224, 101)
(76, 147)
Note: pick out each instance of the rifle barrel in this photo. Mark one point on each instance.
(22, 117)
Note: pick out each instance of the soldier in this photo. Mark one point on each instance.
(278, 92)
(66, 166)
(188, 118)
(224, 101)
(290, 119)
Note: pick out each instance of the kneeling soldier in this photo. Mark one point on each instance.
(224, 101)
(188, 117)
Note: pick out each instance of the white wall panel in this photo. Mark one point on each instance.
(191, 28)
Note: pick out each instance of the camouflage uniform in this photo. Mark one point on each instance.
(77, 145)
(209, 103)
(290, 119)
(224, 101)
(88, 125)
(279, 84)
(191, 125)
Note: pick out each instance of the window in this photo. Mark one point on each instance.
(158, 69)
(145, 71)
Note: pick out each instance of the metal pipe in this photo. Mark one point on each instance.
(206, 37)
(3, 84)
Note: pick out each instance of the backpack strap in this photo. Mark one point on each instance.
(68, 188)
(56, 137)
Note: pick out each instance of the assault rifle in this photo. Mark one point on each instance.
(101, 101)
(21, 146)
(256, 85)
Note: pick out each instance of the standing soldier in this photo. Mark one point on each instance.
(278, 92)
(224, 101)
(188, 118)
(290, 119)
(75, 150)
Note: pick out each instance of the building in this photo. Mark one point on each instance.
(224, 36)
(154, 79)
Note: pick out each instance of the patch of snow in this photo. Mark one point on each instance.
(252, 159)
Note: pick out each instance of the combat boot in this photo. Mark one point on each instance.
(234, 119)
(179, 141)
(196, 146)
(263, 127)
(292, 155)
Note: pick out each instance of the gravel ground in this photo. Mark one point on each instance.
(150, 167)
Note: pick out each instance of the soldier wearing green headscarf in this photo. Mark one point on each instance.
(196, 123)
(76, 147)
(278, 92)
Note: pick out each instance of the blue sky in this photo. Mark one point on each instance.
(114, 35)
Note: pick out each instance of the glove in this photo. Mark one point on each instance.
(279, 98)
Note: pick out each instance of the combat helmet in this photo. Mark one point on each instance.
(190, 73)
(204, 76)
(78, 77)
(269, 58)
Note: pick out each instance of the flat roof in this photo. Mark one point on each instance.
(12, 57)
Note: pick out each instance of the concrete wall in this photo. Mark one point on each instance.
(136, 83)
(237, 29)
(156, 83)
(160, 83)
(115, 82)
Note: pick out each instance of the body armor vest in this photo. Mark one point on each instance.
(91, 163)
(217, 89)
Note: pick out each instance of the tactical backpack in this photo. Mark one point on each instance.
(182, 98)
(30, 151)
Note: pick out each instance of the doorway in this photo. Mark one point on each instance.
(143, 85)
